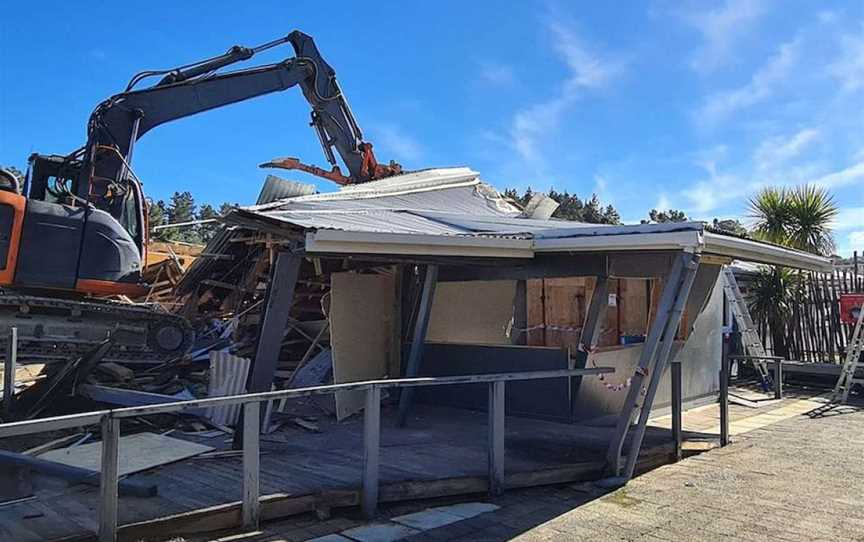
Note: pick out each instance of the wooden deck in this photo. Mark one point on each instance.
(441, 452)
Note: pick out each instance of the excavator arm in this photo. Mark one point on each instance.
(118, 122)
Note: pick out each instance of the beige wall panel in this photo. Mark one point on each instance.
(361, 332)
(476, 312)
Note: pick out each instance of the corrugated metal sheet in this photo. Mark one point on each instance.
(228, 375)
(276, 188)
(455, 202)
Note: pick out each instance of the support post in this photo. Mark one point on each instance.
(590, 331)
(724, 393)
(497, 416)
(277, 308)
(691, 265)
(677, 406)
(109, 479)
(778, 378)
(421, 325)
(646, 358)
(280, 296)
(9, 368)
(371, 451)
(251, 507)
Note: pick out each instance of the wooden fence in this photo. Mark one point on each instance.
(814, 332)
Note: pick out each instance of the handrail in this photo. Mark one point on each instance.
(28, 427)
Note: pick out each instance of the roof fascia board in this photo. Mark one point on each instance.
(345, 242)
(681, 240)
(745, 249)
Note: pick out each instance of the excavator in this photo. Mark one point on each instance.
(73, 234)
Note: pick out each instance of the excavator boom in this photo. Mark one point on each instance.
(78, 226)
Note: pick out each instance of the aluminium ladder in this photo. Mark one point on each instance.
(850, 364)
(749, 336)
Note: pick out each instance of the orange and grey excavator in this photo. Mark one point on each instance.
(77, 227)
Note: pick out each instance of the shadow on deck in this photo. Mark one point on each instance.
(441, 452)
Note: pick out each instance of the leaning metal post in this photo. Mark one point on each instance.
(683, 292)
(649, 349)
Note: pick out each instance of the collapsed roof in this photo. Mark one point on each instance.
(452, 212)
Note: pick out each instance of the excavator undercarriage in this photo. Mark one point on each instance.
(54, 329)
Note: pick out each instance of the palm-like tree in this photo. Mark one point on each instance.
(799, 218)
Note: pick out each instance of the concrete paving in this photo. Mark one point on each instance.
(797, 480)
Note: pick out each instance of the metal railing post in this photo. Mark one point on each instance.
(724, 394)
(109, 479)
(778, 379)
(9, 371)
(677, 400)
(497, 414)
(251, 507)
(371, 447)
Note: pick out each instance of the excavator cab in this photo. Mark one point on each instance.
(80, 225)
(57, 240)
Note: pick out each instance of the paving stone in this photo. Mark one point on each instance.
(380, 532)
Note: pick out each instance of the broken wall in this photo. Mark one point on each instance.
(699, 355)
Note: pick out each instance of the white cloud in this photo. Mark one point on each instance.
(663, 203)
(722, 29)
(856, 241)
(778, 150)
(497, 74)
(848, 68)
(396, 143)
(588, 70)
(848, 218)
(761, 86)
(843, 177)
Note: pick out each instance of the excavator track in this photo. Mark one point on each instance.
(52, 329)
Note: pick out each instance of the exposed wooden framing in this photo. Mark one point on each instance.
(371, 454)
(9, 368)
(682, 293)
(497, 397)
(251, 509)
(677, 406)
(421, 326)
(109, 479)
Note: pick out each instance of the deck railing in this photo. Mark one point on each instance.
(250, 505)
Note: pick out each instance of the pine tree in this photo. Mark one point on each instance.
(182, 209)
(157, 214)
(207, 230)
(661, 217)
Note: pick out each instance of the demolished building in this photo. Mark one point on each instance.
(434, 275)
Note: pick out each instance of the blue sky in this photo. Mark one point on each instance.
(657, 104)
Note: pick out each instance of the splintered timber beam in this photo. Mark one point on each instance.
(421, 325)
(590, 330)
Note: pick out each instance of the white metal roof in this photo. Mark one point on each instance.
(451, 212)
